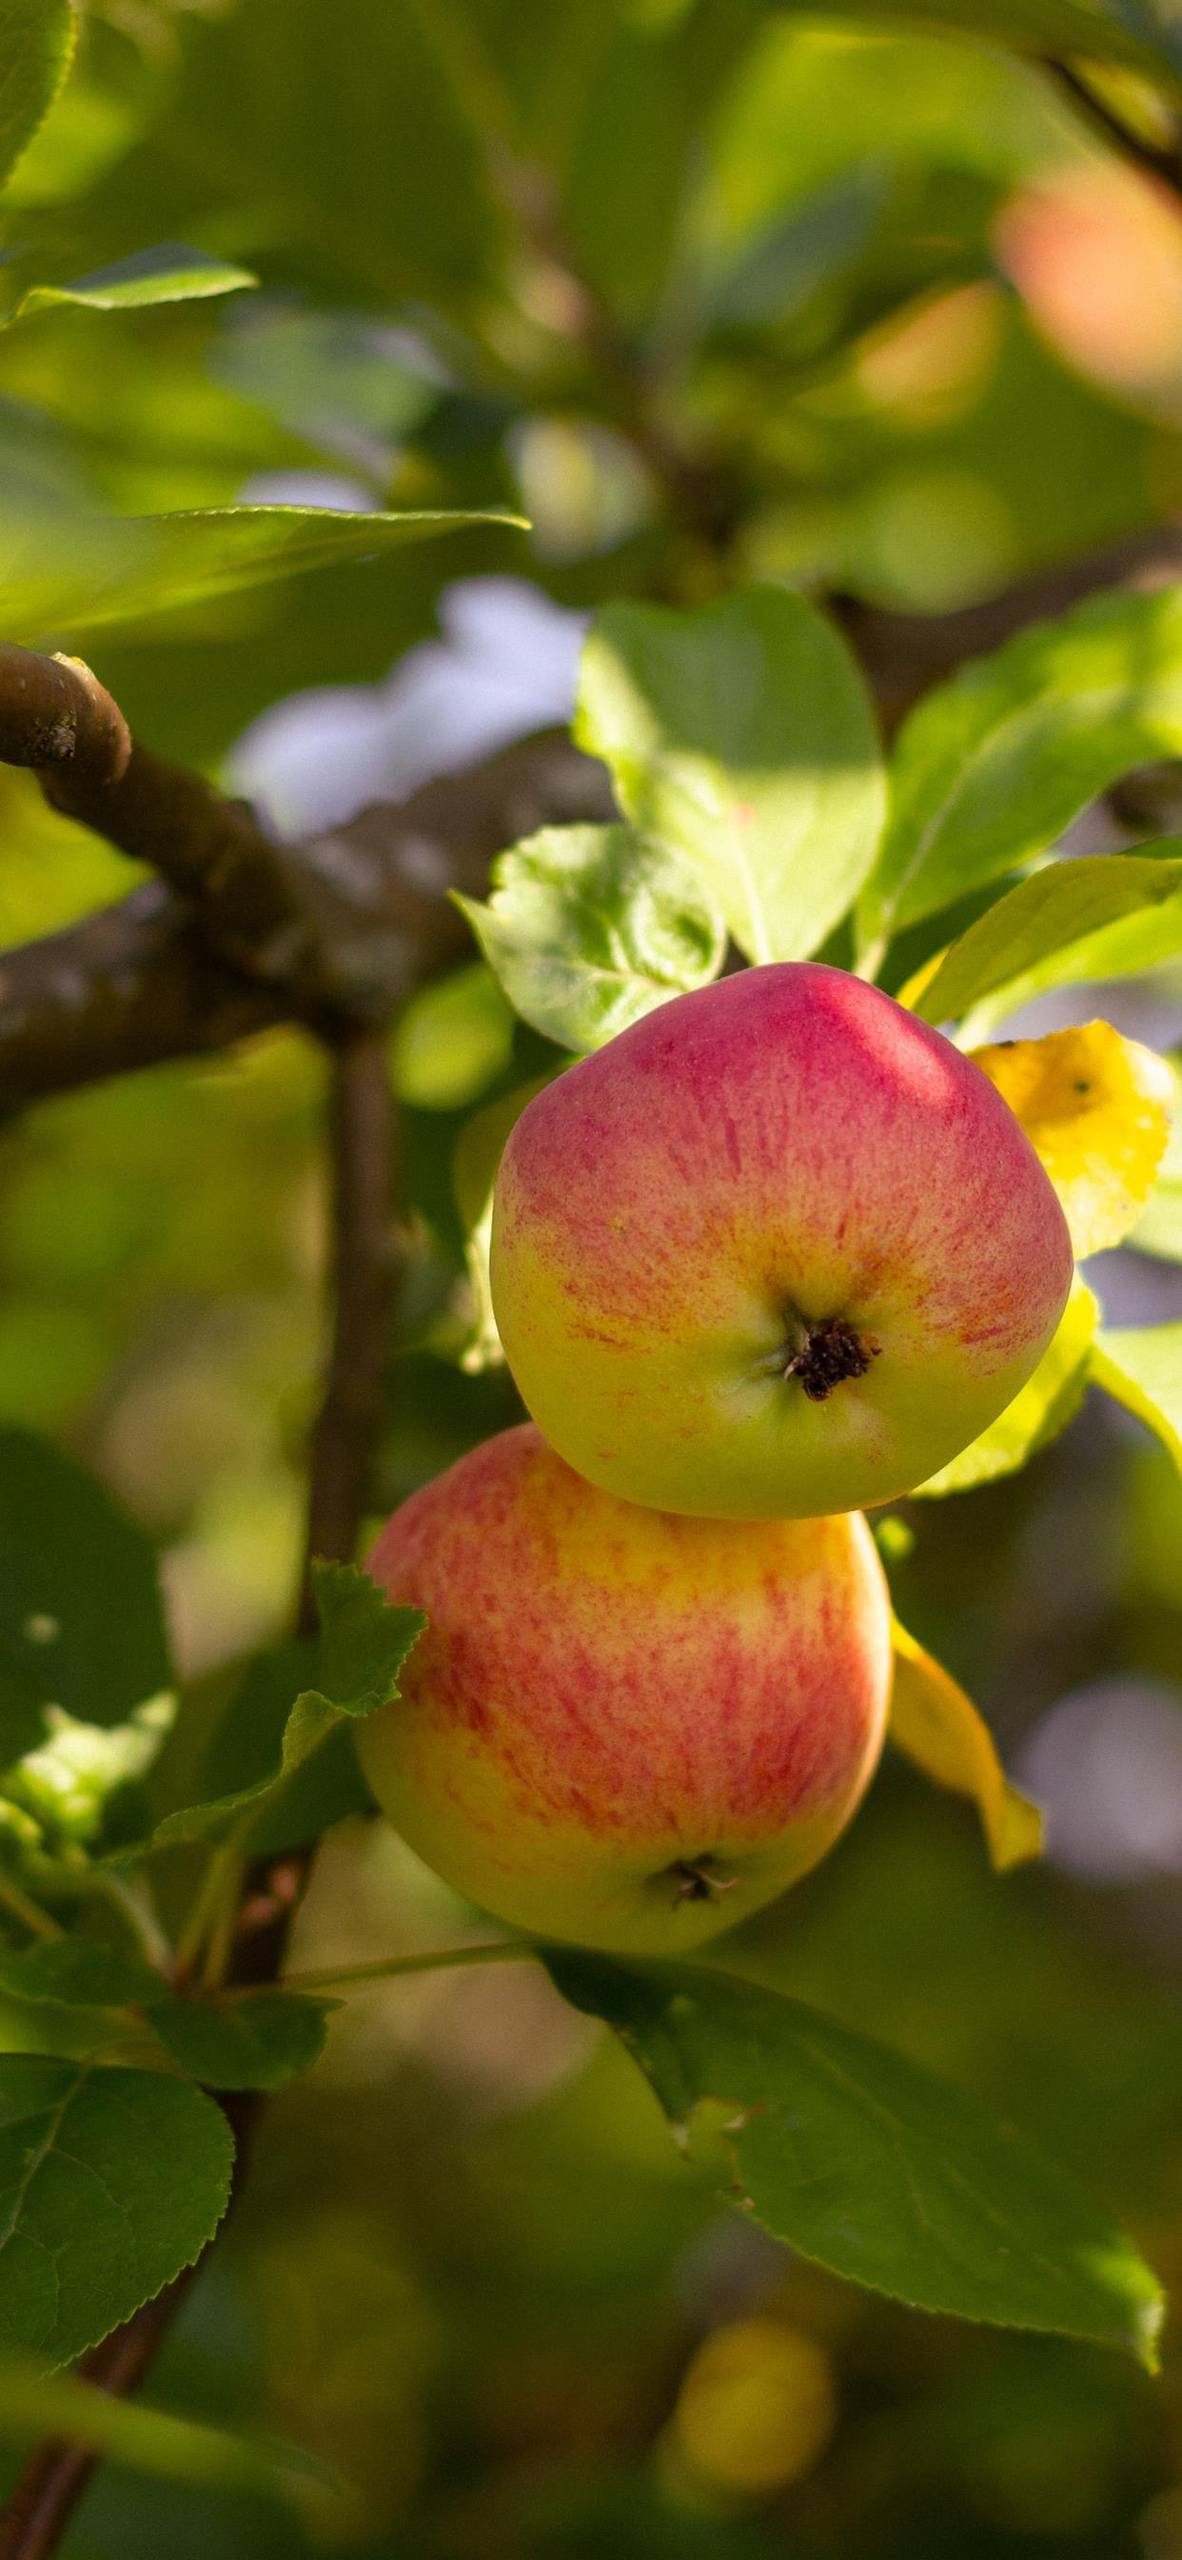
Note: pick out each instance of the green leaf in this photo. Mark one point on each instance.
(742, 735)
(111, 2182)
(452, 1042)
(169, 274)
(1159, 1228)
(588, 928)
(248, 2040)
(247, 1745)
(994, 764)
(1122, 910)
(71, 572)
(1138, 32)
(77, 1972)
(363, 1645)
(36, 45)
(363, 1640)
(81, 1623)
(862, 2161)
(1040, 1410)
(34, 2404)
(479, 1148)
(1142, 1367)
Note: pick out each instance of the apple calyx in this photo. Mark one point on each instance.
(829, 1352)
(695, 1880)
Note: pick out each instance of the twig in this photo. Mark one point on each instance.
(1159, 160)
(395, 1968)
(54, 712)
(362, 1138)
(363, 1141)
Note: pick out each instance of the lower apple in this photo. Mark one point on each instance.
(623, 1728)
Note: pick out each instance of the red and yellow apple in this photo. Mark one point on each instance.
(778, 1250)
(623, 1728)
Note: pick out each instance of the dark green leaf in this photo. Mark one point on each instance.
(1105, 916)
(861, 2160)
(81, 1625)
(111, 2182)
(77, 1972)
(798, 251)
(246, 1747)
(363, 1640)
(250, 2040)
(168, 274)
(363, 1645)
(36, 42)
(743, 736)
(995, 763)
(588, 928)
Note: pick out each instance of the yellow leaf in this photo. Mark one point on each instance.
(939, 1728)
(1096, 1108)
(1041, 1409)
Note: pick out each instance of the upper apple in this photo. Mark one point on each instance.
(779, 1249)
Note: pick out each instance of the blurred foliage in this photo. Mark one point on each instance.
(865, 276)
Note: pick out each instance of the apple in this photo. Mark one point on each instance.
(777, 1250)
(623, 1728)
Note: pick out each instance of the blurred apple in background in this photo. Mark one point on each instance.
(778, 1250)
(620, 1728)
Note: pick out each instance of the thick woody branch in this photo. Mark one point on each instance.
(141, 982)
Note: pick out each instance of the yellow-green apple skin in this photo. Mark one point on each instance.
(623, 1728)
(777, 1250)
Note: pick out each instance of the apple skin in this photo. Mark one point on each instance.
(778, 1250)
(621, 1728)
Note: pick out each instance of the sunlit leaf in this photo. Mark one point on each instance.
(479, 1149)
(1142, 1367)
(1097, 1110)
(65, 573)
(1103, 916)
(859, 2159)
(1040, 1410)
(937, 1725)
(588, 928)
(993, 764)
(36, 44)
(1159, 1229)
(169, 274)
(111, 2182)
(741, 733)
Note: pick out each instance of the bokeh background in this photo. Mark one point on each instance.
(920, 332)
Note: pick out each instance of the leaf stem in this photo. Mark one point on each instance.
(390, 1968)
(30, 1914)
